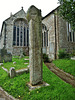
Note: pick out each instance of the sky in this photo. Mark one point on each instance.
(8, 6)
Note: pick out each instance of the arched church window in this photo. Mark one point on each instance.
(20, 33)
(44, 36)
(70, 33)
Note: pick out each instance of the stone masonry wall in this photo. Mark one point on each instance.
(17, 50)
(49, 22)
(5, 56)
(2, 38)
(54, 24)
(63, 39)
(9, 32)
(57, 35)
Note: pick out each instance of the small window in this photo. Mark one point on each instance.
(70, 33)
(45, 36)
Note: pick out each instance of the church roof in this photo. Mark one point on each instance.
(50, 13)
(9, 18)
(16, 13)
(2, 28)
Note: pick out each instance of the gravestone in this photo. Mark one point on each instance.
(21, 53)
(5, 56)
(12, 72)
(35, 45)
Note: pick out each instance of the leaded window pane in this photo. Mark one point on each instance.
(47, 38)
(44, 39)
(21, 36)
(27, 36)
(14, 35)
(17, 36)
(24, 36)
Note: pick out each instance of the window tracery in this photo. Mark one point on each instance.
(20, 33)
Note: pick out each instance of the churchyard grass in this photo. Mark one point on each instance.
(20, 63)
(66, 64)
(58, 89)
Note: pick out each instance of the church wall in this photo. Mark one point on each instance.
(69, 46)
(49, 22)
(9, 36)
(9, 33)
(57, 35)
(2, 38)
(18, 50)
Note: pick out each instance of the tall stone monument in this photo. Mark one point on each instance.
(35, 45)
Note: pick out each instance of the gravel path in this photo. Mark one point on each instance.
(60, 73)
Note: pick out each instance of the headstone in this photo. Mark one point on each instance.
(73, 58)
(12, 72)
(14, 62)
(5, 56)
(35, 45)
(21, 53)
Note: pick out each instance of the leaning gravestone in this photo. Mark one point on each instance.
(12, 72)
(35, 45)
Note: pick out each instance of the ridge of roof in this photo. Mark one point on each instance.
(50, 12)
(15, 14)
(9, 18)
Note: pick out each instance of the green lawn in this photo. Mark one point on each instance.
(66, 65)
(19, 63)
(58, 89)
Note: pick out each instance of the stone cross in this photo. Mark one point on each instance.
(35, 45)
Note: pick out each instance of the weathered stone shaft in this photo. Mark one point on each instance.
(35, 46)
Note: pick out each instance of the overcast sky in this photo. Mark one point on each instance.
(8, 6)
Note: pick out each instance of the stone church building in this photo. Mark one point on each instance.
(56, 34)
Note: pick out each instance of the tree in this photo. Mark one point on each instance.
(67, 11)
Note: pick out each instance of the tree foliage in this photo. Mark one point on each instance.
(67, 11)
